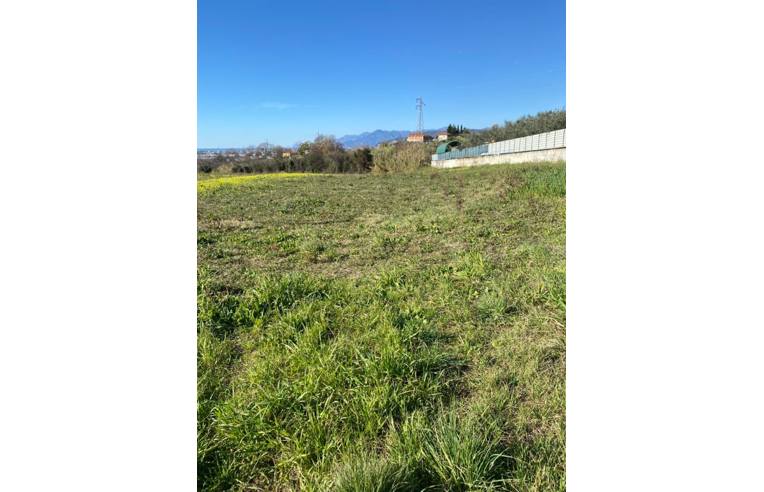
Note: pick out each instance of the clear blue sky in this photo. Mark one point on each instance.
(284, 70)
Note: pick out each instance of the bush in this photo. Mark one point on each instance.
(361, 160)
(545, 121)
(401, 156)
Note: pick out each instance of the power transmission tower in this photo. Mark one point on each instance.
(420, 121)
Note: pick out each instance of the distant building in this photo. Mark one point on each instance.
(206, 156)
(418, 137)
(287, 153)
(442, 135)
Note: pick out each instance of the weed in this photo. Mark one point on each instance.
(214, 183)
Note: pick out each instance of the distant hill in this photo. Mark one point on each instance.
(372, 139)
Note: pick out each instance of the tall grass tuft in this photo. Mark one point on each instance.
(453, 452)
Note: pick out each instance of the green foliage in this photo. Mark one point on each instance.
(456, 130)
(361, 160)
(545, 121)
(401, 156)
(383, 332)
(323, 155)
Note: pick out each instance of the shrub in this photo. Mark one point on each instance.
(401, 156)
(545, 121)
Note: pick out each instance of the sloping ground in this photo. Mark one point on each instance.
(395, 332)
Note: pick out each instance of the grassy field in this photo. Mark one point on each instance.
(382, 332)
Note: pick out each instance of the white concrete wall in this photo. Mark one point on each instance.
(514, 158)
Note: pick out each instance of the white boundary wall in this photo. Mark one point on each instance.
(549, 146)
(515, 158)
(540, 141)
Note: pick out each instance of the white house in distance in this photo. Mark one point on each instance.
(442, 135)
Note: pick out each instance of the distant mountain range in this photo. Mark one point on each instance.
(372, 139)
(365, 139)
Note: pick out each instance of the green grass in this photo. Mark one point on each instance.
(394, 332)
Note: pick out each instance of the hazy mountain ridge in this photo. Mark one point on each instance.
(372, 139)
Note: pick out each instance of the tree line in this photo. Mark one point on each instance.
(323, 155)
(326, 155)
(545, 121)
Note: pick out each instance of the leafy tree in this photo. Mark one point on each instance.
(545, 121)
(455, 129)
(303, 148)
(361, 160)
